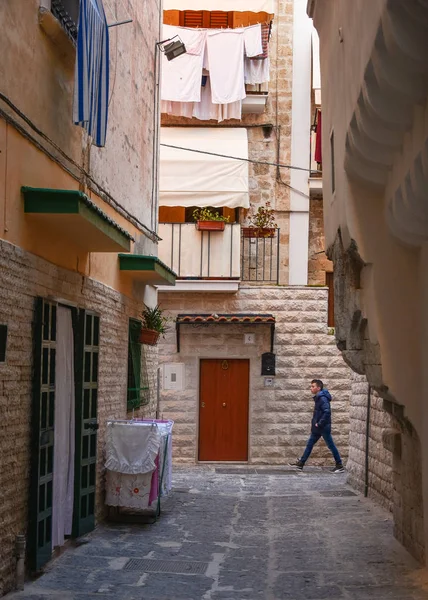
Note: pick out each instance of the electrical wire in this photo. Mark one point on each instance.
(249, 160)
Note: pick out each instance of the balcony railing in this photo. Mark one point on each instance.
(260, 258)
(194, 254)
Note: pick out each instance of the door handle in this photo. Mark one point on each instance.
(202, 404)
(224, 403)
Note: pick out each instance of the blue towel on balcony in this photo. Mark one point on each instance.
(91, 85)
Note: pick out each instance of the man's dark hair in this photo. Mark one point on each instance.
(318, 382)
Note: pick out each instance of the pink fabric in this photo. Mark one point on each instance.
(154, 487)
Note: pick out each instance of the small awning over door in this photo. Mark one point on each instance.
(190, 178)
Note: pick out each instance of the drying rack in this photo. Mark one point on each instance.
(149, 516)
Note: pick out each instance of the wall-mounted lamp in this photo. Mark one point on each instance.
(172, 48)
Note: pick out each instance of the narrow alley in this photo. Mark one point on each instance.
(235, 533)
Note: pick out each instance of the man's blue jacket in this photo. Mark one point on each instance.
(322, 413)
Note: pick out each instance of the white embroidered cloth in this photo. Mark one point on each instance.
(132, 448)
(129, 491)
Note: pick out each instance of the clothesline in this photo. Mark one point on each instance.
(249, 160)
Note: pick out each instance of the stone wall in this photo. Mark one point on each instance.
(318, 263)
(279, 416)
(24, 277)
(394, 466)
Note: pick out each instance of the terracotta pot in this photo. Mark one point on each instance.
(255, 232)
(210, 225)
(149, 337)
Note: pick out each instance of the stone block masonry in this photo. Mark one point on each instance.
(23, 278)
(394, 463)
(280, 416)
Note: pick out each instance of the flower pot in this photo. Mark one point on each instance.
(258, 232)
(210, 225)
(149, 337)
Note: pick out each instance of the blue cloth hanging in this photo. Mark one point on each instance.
(91, 87)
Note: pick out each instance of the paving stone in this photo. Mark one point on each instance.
(261, 537)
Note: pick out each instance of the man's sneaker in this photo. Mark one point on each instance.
(298, 464)
(339, 468)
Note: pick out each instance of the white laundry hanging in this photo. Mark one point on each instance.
(181, 77)
(253, 40)
(225, 50)
(257, 71)
(131, 448)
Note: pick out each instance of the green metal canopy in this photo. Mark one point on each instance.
(74, 215)
(147, 268)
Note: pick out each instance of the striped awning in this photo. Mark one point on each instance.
(91, 87)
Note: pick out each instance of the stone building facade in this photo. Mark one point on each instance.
(280, 408)
(374, 102)
(69, 260)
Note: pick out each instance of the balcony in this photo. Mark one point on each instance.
(217, 261)
(203, 260)
(256, 98)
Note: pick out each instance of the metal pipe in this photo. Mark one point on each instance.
(20, 561)
(369, 404)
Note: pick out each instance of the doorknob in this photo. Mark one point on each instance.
(202, 404)
(224, 403)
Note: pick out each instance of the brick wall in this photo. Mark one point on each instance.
(24, 277)
(279, 417)
(394, 466)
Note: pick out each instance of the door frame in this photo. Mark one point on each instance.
(250, 395)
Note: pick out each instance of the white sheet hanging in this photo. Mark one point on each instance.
(225, 50)
(181, 77)
(131, 448)
(199, 179)
(63, 472)
(253, 40)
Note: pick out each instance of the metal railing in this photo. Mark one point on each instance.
(194, 254)
(260, 258)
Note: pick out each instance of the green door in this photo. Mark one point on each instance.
(43, 405)
(86, 377)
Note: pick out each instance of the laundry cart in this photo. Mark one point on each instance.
(138, 467)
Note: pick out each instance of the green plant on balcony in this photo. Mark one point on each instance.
(154, 323)
(262, 222)
(208, 220)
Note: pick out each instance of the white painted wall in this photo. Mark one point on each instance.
(300, 145)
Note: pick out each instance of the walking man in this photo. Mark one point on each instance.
(321, 427)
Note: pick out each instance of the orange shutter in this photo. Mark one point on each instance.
(172, 214)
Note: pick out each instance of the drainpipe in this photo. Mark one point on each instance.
(20, 561)
(369, 404)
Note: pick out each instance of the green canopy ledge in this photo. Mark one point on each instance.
(147, 268)
(74, 215)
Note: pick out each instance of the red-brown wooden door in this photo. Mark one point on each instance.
(223, 410)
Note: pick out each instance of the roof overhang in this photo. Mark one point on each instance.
(225, 319)
(146, 268)
(76, 217)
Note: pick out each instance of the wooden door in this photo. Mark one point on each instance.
(223, 409)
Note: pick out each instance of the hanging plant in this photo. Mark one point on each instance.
(154, 324)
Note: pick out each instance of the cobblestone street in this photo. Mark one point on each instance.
(247, 534)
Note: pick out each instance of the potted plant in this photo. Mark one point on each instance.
(153, 324)
(262, 223)
(207, 220)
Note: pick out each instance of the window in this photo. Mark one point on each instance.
(67, 13)
(329, 281)
(137, 372)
